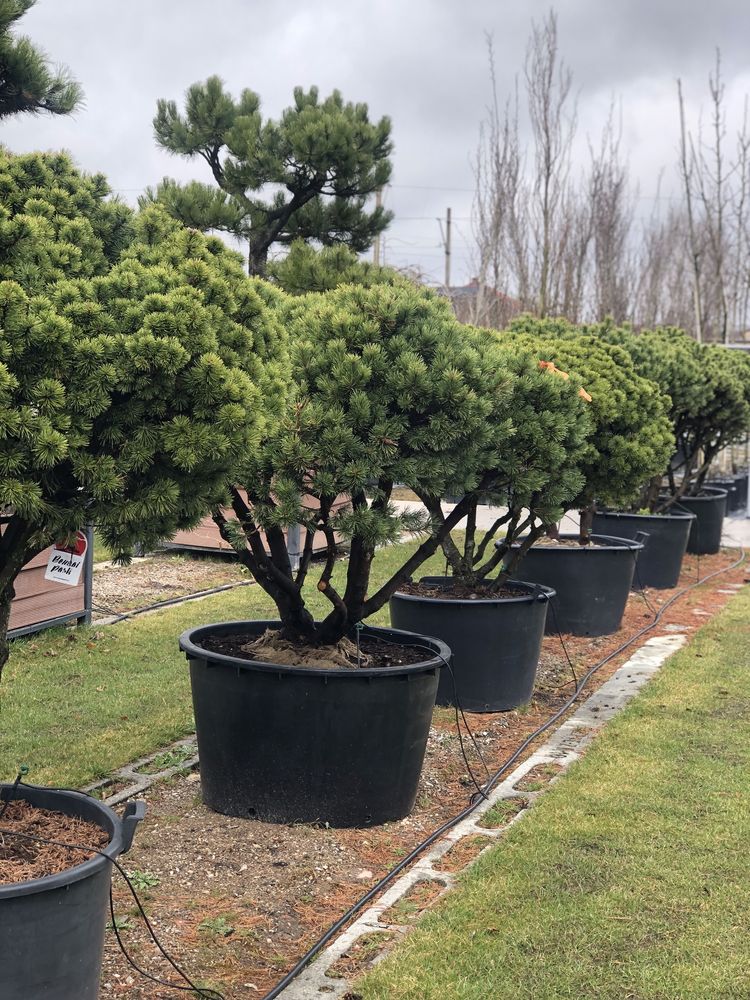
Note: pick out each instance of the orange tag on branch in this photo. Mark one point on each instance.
(552, 368)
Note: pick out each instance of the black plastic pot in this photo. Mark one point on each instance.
(495, 642)
(740, 482)
(736, 487)
(728, 484)
(306, 745)
(660, 562)
(592, 582)
(709, 509)
(52, 929)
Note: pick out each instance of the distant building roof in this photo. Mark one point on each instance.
(481, 304)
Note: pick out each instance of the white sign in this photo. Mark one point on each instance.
(66, 561)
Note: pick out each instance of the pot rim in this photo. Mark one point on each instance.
(677, 515)
(77, 872)
(441, 656)
(707, 493)
(536, 592)
(627, 544)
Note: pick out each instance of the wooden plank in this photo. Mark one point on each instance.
(39, 600)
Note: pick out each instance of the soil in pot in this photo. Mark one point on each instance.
(660, 562)
(24, 859)
(592, 582)
(495, 638)
(299, 744)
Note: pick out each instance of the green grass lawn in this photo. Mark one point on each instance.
(74, 704)
(102, 552)
(630, 880)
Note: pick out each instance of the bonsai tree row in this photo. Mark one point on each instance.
(630, 437)
(391, 389)
(709, 391)
(190, 386)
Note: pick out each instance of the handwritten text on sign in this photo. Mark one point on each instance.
(66, 561)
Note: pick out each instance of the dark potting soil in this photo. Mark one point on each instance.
(379, 653)
(456, 591)
(22, 859)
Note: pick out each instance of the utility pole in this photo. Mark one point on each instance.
(445, 237)
(376, 246)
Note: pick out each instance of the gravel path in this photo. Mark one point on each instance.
(159, 578)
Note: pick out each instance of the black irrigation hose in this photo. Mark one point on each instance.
(492, 781)
(120, 617)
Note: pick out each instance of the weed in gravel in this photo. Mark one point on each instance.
(219, 926)
(141, 880)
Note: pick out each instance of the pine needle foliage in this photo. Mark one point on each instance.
(27, 81)
(534, 468)
(632, 436)
(390, 389)
(709, 389)
(137, 363)
(305, 269)
(306, 176)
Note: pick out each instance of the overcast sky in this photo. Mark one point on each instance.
(422, 62)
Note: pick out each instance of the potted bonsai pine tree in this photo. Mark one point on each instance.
(317, 718)
(494, 625)
(132, 375)
(630, 441)
(709, 390)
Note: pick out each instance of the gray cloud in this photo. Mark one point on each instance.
(423, 63)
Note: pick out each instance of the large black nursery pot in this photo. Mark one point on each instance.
(709, 508)
(736, 487)
(311, 745)
(591, 582)
(52, 928)
(740, 483)
(660, 562)
(495, 642)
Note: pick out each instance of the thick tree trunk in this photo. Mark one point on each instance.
(586, 524)
(6, 599)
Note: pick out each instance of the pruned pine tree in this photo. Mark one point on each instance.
(390, 390)
(28, 83)
(306, 176)
(708, 388)
(131, 380)
(541, 427)
(632, 437)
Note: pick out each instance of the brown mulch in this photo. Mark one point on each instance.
(158, 578)
(238, 901)
(22, 859)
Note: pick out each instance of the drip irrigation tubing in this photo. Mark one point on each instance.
(476, 799)
(158, 605)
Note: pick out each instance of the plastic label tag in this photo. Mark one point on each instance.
(66, 561)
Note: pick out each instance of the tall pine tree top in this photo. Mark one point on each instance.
(27, 81)
(306, 176)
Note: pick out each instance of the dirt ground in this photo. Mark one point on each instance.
(159, 577)
(237, 901)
